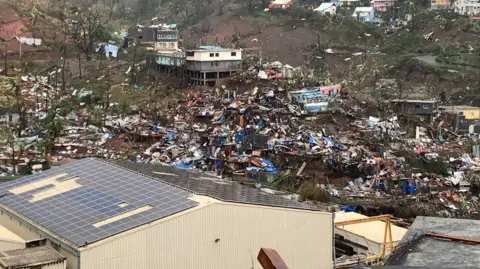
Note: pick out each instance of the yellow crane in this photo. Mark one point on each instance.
(388, 229)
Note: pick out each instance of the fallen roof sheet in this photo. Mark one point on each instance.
(21, 258)
(198, 183)
(371, 230)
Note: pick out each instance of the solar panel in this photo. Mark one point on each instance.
(71, 214)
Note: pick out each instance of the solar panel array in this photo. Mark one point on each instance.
(71, 214)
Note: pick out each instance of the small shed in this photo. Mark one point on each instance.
(39, 257)
(327, 9)
(365, 14)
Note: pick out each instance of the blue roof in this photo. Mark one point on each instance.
(110, 48)
(106, 190)
(210, 47)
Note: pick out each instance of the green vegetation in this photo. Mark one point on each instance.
(462, 56)
(308, 191)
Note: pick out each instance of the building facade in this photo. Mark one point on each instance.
(414, 107)
(467, 7)
(209, 64)
(105, 215)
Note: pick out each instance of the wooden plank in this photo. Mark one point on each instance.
(270, 259)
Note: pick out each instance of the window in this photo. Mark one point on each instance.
(233, 53)
(211, 64)
(190, 53)
(216, 54)
(216, 64)
(425, 107)
(211, 54)
(417, 106)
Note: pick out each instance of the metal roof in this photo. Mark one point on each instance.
(22, 258)
(440, 253)
(200, 184)
(89, 200)
(413, 101)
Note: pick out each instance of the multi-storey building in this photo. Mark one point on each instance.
(467, 7)
(208, 64)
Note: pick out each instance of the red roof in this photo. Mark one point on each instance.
(10, 30)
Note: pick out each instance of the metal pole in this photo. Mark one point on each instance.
(333, 241)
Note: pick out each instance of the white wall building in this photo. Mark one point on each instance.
(467, 7)
(326, 8)
(124, 215)
(209, 64)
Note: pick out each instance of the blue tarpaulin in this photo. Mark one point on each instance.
(182, 165)
(349, 208)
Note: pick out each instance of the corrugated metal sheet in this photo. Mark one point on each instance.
(30, 256)
(219, 236)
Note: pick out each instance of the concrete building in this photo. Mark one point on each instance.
(32, 258)
(366, 238)
(470, 112)
(414, 107)
(124, 215)
(467, 7)
(209, 64)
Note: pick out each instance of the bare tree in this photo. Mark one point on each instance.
(87, 27)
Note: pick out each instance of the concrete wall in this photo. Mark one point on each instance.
(59, 265)
(166, 46)
(215, 55)
(414, 108)
(218, 236)
(29, 233)
(214, 66)
(9, 245)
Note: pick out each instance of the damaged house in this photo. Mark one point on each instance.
(414, 107)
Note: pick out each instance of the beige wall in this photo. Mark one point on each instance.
(59, 265)
(223, 55)
(28, 233)
(9, 245)
(187, 240)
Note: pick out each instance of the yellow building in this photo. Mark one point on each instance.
(125, 215)
(470, 112)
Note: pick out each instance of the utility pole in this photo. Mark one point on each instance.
(5, 67)
(132, 78)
